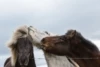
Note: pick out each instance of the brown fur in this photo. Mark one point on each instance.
(74, 46)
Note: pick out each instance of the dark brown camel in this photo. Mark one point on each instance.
(74, 46)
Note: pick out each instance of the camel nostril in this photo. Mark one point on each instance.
(43, 41)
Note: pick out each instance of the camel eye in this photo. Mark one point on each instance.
(61, 39)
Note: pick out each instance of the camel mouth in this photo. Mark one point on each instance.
(43, 47)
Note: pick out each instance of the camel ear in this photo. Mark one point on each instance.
(73, 32)
(70, 34)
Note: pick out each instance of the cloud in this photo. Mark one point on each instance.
(22, 6)
(56, 16)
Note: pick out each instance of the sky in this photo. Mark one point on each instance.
(56, 16)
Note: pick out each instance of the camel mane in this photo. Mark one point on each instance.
(20, 32)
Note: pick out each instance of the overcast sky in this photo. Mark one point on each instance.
(55, 16)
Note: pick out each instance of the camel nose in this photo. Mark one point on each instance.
(43, 40)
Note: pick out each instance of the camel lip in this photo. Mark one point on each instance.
(42, 46)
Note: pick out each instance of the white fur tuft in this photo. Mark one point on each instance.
(17, 34)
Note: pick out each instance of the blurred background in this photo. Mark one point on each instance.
(56, 16)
